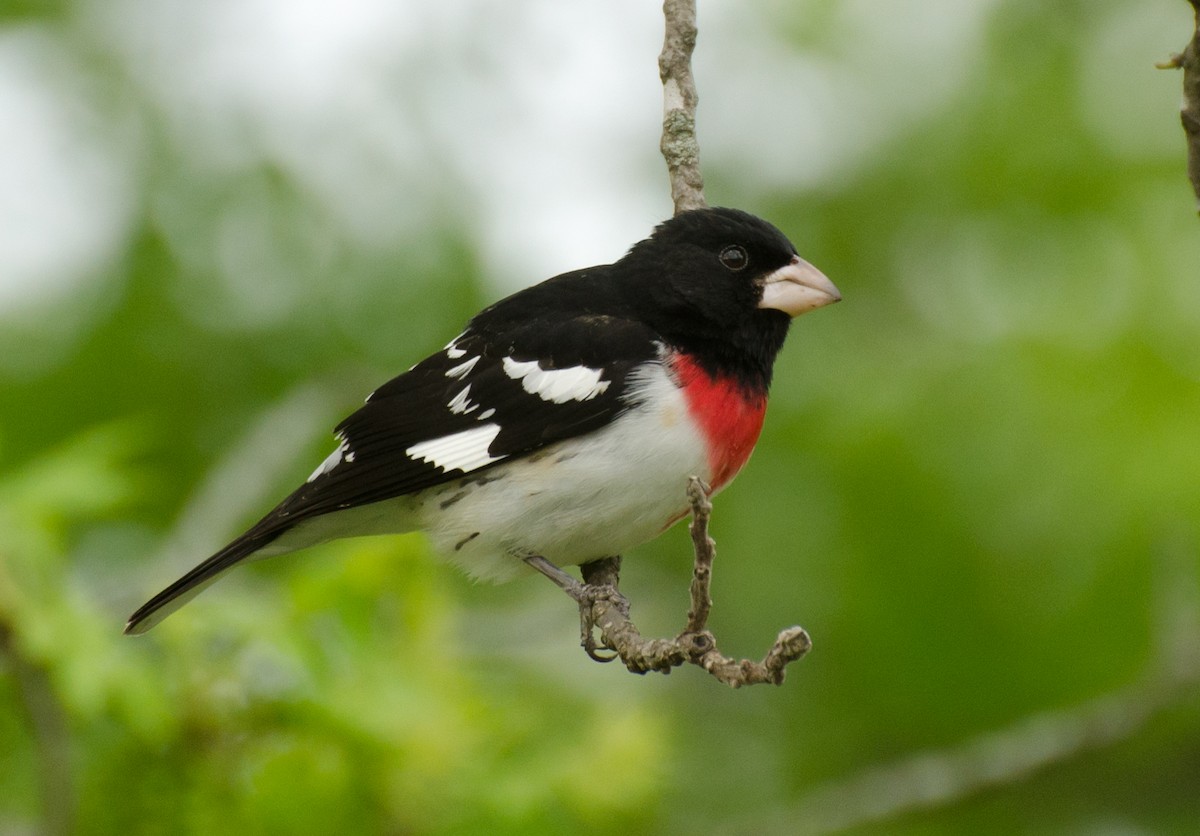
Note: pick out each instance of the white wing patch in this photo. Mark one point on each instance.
(465, 451)
(577, 383)
(342, 453)
(461, 403)
(453, 351)
(462, 369)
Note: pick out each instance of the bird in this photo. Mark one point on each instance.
(565, 420)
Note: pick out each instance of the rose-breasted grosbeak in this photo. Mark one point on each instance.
(565, 420)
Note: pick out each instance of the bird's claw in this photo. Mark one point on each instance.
(586, 595)
(589, 595)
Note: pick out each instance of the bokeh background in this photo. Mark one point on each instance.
(222, 223)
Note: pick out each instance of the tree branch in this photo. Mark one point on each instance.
(603, 608)
(679, 146)
(1189, 61)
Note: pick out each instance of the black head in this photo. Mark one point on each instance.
(723, 285)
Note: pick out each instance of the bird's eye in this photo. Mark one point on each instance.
(734, 257)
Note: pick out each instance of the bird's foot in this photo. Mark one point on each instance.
(599, 586)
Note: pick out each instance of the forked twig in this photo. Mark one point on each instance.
(603, 608)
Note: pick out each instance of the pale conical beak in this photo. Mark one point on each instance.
(797, 288)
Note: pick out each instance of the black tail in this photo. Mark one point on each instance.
(194, 582)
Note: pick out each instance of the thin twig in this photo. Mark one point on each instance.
(706, 551)
(603, 608)
(1189, 61)
(679, 146)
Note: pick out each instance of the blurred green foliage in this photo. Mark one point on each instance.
(977, 489)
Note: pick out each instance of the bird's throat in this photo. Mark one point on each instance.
(729, 415)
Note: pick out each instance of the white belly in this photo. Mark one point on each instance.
(575, 501)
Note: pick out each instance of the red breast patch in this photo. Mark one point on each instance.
(728, 416)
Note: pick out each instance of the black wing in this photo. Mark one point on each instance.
(501, 389)
(483, 399)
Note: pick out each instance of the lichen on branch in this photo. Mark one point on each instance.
(679, 146)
